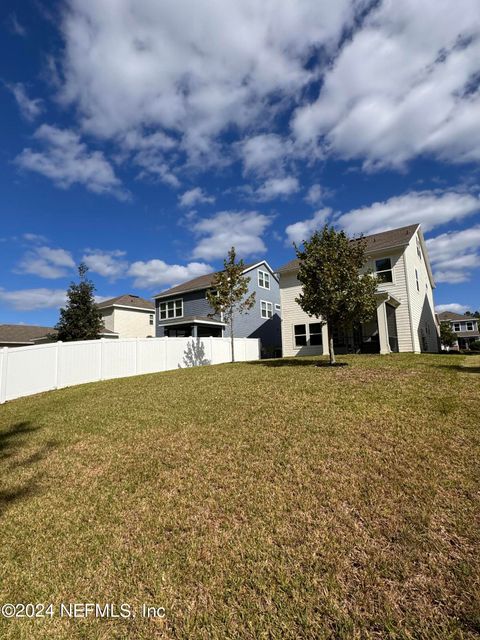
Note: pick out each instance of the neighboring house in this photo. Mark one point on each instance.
(129, 316)
(405, 318)
(24, 335)
(184, 310)
(465, 328)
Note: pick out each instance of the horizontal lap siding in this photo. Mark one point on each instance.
(292, 314)
(129, 323)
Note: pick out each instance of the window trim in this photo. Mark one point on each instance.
(456, 324)
(166, 302)
(151, 319)
(417, 280)
(469, 322)
(264, 273)
(268, 305)
(278, 307)
(307, 335)
(299, 346)
(391, 270)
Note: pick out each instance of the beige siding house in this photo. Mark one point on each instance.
(405, 318)
(129, 316)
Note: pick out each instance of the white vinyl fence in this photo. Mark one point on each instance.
(28, 370)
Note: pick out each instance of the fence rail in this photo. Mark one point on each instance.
(28, 370)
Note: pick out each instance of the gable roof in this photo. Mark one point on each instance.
(23, 333)
(375, 242)
(127, 300)
(204, 282)
(450, 315)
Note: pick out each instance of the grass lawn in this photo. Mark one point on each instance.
(263, 500)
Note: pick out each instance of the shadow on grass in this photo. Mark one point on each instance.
(298, 362)
(12, 441)
(458, 367)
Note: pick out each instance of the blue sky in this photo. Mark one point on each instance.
(146, 138)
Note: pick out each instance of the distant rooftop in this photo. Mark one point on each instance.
(127, 300)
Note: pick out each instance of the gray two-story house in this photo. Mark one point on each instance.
(465, 328)
(184, 310)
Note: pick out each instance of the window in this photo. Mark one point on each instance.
(300, 331)
(150, 319)
(266, 309)
(456, 326)
(278, 307)
(469, 326)
(315, 333)
(419, 249)
(263, 279)
(416, 280)
(383, 270)
(171, 309)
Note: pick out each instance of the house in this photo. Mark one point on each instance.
(465, 328)
(129, 316)
(24, 335)
(184, 310)
(405, 318)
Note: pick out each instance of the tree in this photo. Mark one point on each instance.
(228, 292)
(447, 336)
(80, 319)
(333, 287)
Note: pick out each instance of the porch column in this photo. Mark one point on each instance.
(194, 331)
(326, 346)
(383, 329)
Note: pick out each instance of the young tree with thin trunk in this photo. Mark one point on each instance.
(333, 288)
(228, 292)
(80, 319)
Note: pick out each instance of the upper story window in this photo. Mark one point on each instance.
(266, 309)
(383, 270)
(416, 280)
(150, 318)
(456, 326)
(419, 249)
(278, 307)
(171, 309)
(263, 279)
(469, 326)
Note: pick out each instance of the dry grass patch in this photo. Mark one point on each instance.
(265, 500)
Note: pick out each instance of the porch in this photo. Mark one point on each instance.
(193, 326)
(379, 335)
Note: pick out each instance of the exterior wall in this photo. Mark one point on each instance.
(398, 289)
(107, 315)
(131, 323)
(292, 314)
(194, 304)
(425, 332)
(251, 324)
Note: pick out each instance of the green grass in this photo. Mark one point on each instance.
(265, 500)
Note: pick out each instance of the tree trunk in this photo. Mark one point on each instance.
(331, 350)
(232, 339)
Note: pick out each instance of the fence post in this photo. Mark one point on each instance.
(3, 375)
(102, 356)
(245, 349)
(57, 358)
(137, 355)
(211, 349)
(166, 354)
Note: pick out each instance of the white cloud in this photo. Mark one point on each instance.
(277, 188)
(241, 229)
(34, 237)
(66, 161)
(194, 196)
(142, 66)
(264, 153)
(454, 307)
(455, 254)
(31, 299)
(302, 230)
(15, 26)
(46, 262)
(157, 273)
(108, 264)
(430, 208)
(315, 194)
(399, 89)
(30, 108)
